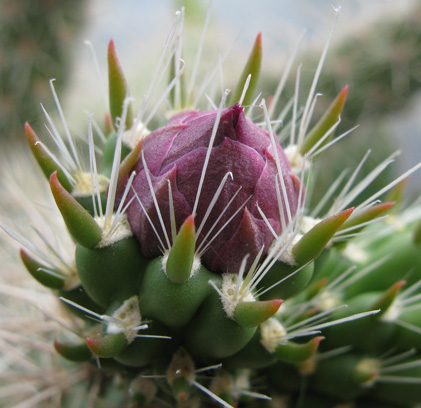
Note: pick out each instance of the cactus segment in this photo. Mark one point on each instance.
(111, 273)
(171, 303)
(314, 241)
(355, 332)
(212, 334)
(46, 276)
(342, 377)
(400, 260)
(73, 352)
(118, 89)
(252, 356)
(402, 388)
(152, 344)
(81, 225)
(179, 264)
(44, 159)
(291, 352)
(252, 68)
(330, 118)
(252, 314)
(283, 281)
(107, 346)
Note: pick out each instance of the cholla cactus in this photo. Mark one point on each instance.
(204, 275)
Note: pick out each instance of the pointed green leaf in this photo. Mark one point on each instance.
(417, 234)
(386, 299)
(118, 90)
(252, 68)
(128, 163)
(252, 314)
(108, 124)
(314, 241)
(366, 215)
(79, 222)
(108, 346)
(331, 116)
(397, 194)
(180, 260)
(73, 352)
(47, 164)
(291, 352)
(41, 272)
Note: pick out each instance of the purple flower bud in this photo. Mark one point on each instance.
(175, 154)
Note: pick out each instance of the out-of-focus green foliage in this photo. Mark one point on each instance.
(35, 45)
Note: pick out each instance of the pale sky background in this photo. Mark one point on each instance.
(140, 27)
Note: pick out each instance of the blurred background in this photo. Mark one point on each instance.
(376, 50)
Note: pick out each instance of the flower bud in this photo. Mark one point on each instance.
(175, 155)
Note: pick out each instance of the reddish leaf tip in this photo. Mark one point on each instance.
(189, 221)
(57, 346)
(111, 46)
(316, 341)
(92, 343)
(276, 304)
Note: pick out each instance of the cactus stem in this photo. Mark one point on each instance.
(393, 365)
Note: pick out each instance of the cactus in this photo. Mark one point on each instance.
(204, 275)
